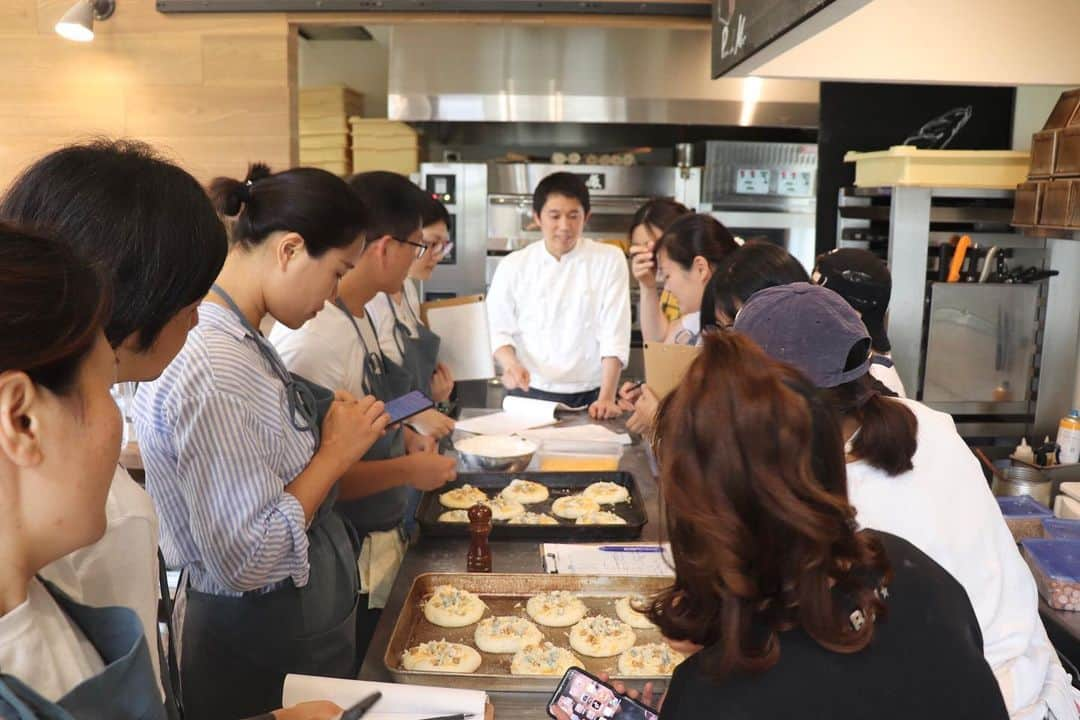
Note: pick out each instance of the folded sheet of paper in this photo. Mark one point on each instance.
(666, 365)
(518, 414)
(398, 702)
(614, 558)
(465, 342)
(590, 433)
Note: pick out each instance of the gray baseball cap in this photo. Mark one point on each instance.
(810, 327)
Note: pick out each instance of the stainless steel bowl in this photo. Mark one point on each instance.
(478, 462)
(1019, 480)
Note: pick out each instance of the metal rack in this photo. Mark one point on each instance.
(1014, 374)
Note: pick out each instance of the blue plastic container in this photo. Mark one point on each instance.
(1056, 567)
(1023, 515)
(1059, 529)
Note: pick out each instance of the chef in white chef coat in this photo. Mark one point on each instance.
(559, 310)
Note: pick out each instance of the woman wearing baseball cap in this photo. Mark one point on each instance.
(910, 474)
(863, 280)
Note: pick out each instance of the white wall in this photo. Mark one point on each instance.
(1033, 106)
(361, 64)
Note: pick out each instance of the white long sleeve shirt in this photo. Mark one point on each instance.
(944, 507)
(562, 316)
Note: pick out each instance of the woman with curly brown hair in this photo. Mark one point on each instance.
(797, 612)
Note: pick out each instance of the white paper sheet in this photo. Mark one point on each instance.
(518, 414)
(590, 433)
(398, 702)
(465, 345)
(613, 558)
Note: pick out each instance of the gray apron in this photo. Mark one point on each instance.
(236, 651)
(385, 510)
(125, 690)
(420, 354)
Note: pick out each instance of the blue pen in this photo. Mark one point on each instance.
(631, 548)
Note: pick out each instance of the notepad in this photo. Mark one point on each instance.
(613, 558)
(518, 413)
(398, 702)
(464, 339)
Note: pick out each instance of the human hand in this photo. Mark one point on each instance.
(432, 422)
(417, 443)
(442, 383)
(641, 421)
(316, 710)
(351, 427)
(629, 394)
(516, 377)
(604, 409)
(646, 696)
(643, 264)
(430, 471)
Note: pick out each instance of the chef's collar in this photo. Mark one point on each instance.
(570, 253)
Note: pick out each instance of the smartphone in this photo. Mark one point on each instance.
(581, 696)
(404, 407)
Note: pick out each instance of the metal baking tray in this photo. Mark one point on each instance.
(559, 484)
(506, 594)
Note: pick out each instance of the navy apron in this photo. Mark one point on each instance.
(236, 651)
(384, 510)
(126, 689)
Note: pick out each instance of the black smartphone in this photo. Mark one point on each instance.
(581, 696)
(404, 407)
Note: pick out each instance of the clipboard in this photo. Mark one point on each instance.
(447, 302)
(666, 365)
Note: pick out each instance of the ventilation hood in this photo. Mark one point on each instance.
(580, 74)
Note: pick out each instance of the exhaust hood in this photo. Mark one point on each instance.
(580, 74)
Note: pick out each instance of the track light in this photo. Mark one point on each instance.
(78, 22)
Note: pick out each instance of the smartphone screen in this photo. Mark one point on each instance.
(580, 696)
(406, 406)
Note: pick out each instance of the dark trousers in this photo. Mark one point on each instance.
(574, 400)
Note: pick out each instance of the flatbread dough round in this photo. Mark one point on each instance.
(559, 608)
(462, 498)
(651, 659)
(543, 659)
(572, 507)
(451, 607)
(533, 518)
(441, 656)
(600, 517)
(504, 508)
(506, 634)
(607, 493)
(454, 516)
(624, 608)
(601, 636)
(525, 492)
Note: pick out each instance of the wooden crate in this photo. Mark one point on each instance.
(324, 141)
(905, 165)
(330, 100)
(324, 155)
(338, 168)
(384, 145)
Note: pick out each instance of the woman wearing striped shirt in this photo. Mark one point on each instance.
(243, 462)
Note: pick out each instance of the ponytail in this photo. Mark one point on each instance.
(887, 435)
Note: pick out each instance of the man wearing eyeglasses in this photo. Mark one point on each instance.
(559, 310)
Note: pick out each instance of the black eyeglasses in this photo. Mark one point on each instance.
(421, 248)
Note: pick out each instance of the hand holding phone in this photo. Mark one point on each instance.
(582, 696)
(404, 407)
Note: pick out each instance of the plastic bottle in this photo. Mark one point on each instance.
(1068, 438)
(1024, 452)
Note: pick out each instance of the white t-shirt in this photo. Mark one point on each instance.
(689, 330)
(40, 645)
(944, 507)
(120, 569)
(889, 377)
(408, 310)
(563, 316)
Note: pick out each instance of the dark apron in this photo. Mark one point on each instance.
(386, 381)
(236, 651)
(126, 689)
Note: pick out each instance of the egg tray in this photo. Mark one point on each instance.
(506, 594)
(559, 484)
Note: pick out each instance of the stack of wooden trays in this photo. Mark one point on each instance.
(1051, 196)
(384, 145)
(324, 127)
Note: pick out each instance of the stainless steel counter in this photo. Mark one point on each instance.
(448, 555)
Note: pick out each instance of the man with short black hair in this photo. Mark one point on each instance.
(560, 309)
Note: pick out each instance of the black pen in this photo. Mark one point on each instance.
(459, 716)
(360, 709)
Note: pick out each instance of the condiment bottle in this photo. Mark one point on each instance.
(479, 557)
(1068, 438)
(1024, 452)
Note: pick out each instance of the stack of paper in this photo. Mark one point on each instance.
(626, 559)
(398, 702)
(590, 433)
(518, 414)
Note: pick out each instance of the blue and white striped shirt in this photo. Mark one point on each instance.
(219, 449)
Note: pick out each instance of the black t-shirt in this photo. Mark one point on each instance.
(925, 661)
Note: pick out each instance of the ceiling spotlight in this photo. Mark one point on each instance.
(78, 22)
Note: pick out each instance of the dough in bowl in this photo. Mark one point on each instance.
(651, 659)
(601, 636)
(525, 492)
(607, 493)
(507, 634)
(441, 656)
(559, 608)
(451, 607)
(624, 608)
(572, 507)
(462, 498)
(496, 446)
(543, 659)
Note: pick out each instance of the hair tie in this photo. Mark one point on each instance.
(243, 193)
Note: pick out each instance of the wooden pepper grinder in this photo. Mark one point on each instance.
(479, 557)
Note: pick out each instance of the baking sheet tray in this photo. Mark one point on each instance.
(506, 594)
(559, 484)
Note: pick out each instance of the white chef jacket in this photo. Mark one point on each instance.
(563, 316)
(944, 507)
